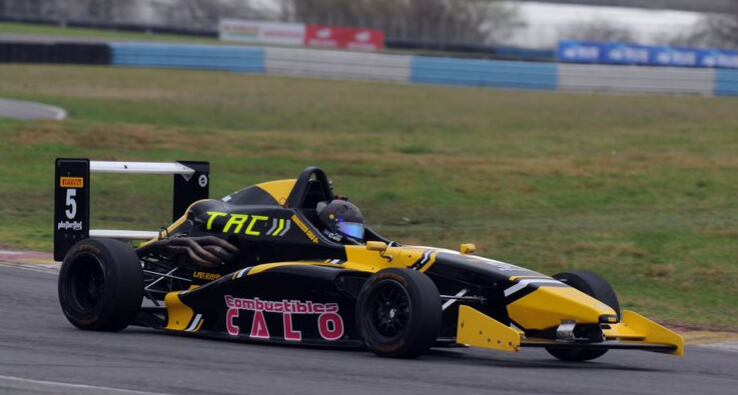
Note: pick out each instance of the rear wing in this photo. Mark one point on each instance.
(72, 196)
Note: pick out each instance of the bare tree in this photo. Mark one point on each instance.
(431, 20)
(715, 31)
(599, 31)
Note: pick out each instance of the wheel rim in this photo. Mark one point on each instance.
(389, 309)
(87, 283)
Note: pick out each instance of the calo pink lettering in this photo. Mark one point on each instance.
(259, 328)
(330, 326)
(289, 333)
(232, 328)
(330, 323)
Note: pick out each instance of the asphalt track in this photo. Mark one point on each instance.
(24, 110)
(40, 353)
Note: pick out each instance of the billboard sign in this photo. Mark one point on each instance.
(258, 32)
(344, 38)
(674, 57)
(365, 40)
(718, 59)
(625, 54)
(579, 52)
(324, 36)
(629, 54)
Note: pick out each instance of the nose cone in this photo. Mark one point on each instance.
(546, 307)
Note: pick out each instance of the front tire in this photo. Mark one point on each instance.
(598, 288)
(101, 285)
(399, 313)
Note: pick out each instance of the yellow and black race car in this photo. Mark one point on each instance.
(258, 265)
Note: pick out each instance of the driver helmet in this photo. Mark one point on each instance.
(342, 219)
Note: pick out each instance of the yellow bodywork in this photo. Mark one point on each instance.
(543, 309)
(179, 313)
(279, 190)
(546, 307)
(362, 259)
(634, 326)
(476, 329)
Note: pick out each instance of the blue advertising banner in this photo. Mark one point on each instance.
(629, 54)
(674, 57)
(625, 54)
(718, 59)
(579, 52)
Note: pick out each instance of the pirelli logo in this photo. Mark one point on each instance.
(71, 182)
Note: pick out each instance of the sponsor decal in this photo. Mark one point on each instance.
(202, 180)
(330, 322)
(252, 225)
(71, 182)
(69, 225)
(206, 276)
(333, 236)
(309, 233)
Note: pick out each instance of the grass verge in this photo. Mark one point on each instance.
(640, 189)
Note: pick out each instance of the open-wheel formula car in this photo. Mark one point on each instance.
(260, 265)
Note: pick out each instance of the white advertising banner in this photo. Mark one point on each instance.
(259, 32)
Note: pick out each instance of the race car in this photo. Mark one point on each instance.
(261, 265)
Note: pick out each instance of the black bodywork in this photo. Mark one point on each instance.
(324, 281)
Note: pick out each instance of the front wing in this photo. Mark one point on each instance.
(476, 329)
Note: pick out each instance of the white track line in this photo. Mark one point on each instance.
(29, 385)
(48, 269)
(731, 346)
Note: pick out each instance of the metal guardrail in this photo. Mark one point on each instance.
(430, 70)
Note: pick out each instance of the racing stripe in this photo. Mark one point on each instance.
(195, 324)
(422, 261)
(275, 222)
(287, 228)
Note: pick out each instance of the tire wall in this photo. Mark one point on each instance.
(391, 68)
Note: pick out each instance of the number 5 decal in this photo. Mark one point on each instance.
(71, 203)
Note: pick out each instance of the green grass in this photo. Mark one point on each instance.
(640, 189)
(76, 32)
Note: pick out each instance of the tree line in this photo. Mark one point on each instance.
(441, 21)
(481, 21)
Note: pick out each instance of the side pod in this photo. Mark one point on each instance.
(476, 329)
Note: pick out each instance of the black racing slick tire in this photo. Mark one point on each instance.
(399, 313)
(598, 288)
(101, 285)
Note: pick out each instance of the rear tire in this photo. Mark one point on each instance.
(101, 285)
(598, 288)
(399, 313)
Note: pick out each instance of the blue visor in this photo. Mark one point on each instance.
(354, 230)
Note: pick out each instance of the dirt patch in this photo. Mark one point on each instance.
(704, 335)
(26, 257)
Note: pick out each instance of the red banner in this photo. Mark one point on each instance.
(344, 38)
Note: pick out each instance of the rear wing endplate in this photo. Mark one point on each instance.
(72, 196)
